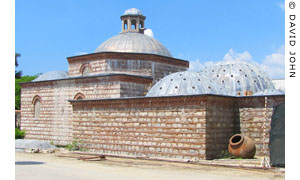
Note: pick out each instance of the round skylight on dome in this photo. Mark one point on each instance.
(239, 77)
(185, 83)
(133, 11)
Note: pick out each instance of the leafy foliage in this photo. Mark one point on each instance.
(75, 146)
(226, 155)
(18, 89)
(18, 74)
(19, 134)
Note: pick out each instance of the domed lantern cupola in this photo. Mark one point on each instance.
(133, 21)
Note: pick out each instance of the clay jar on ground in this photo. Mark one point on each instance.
(241, 146)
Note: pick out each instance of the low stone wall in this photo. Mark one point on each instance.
(221, 123)
(187, 127)
(253, 114)
(181, 127)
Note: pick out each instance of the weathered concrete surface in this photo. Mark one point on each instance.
(49, 167)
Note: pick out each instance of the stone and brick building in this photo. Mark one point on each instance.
(132, 98)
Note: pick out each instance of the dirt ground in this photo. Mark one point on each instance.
(49, 166)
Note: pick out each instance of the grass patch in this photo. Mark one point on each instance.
(19, 134)
(75, 146)
(226, 155)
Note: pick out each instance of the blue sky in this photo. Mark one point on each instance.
(46, 32)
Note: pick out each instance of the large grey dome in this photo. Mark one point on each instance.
(239, 77)
(133, 43)
(52, 75)
(185, 83)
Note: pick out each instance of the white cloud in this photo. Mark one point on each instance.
(197, 65)
(149, 32)
(273, 64)
(233, 56)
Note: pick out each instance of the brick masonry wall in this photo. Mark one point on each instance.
(195, 127)
(130, 89)
(252, 116)
(178, 128)
(221, 119)
(187, 127)
(96, 66)
(55, 121)
(156, 70)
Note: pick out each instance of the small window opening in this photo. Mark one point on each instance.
(37, 106)
(86, 71)
(125, 25)
(133, 24)
(141, 24)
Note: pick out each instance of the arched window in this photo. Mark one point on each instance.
(85, 69)
(79, 96)
(141, 24)
(37, 106)
(133, 24)
(125, 25)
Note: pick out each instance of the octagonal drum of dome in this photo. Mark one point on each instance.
(52, 75)
(133, 43)
(239, 77)
(185, 83)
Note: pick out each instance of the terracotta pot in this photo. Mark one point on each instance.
(241, 146)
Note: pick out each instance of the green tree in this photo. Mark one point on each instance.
(18, 89)
(18, 74)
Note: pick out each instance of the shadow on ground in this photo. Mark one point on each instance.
(28, 163)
